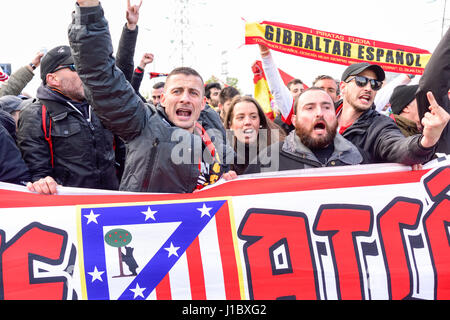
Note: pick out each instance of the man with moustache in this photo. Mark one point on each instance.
(61, 139)
(314, 142)
(377, 134)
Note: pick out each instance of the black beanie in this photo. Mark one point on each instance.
(402, 96)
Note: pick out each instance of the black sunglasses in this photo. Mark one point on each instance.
(70, 66)
(361, 81)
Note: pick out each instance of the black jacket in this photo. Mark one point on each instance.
(125, 58)
(382, 140)
(12, 166)
(82, 150)
(152, 141)
(436, 78)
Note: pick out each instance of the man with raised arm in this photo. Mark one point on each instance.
(167, 149)
(377, 134)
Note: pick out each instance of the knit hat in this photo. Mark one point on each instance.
(58, 56)
(10, 103)
(402, 96)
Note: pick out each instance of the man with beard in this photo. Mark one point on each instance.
(61, 139)
(377, 134)
(212, 91)
(314, 142)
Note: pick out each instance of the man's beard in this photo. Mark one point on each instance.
(317, 143)
(72, 92)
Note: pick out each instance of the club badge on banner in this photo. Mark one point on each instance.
(359, 232)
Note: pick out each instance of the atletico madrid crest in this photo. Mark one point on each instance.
(129, 249)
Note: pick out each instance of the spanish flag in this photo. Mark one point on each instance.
(262, 93)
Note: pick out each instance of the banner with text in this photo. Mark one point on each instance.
(336, 48)
(361, 232)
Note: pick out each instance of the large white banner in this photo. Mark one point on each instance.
(362, 232)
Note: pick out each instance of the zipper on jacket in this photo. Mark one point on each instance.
(149, 167)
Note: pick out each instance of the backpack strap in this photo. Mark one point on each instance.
(47, 134)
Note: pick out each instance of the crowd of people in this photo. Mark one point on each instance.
(89, 126)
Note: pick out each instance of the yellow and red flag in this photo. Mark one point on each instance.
(262, 92)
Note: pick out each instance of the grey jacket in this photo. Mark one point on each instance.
(160, 156)
(16, 82)
(292, 154)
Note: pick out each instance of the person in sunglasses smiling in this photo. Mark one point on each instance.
(376, 134)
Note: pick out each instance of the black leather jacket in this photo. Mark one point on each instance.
(383, 141)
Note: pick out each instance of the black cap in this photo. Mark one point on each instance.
(402, 96)
(357, 68)
(58, 56)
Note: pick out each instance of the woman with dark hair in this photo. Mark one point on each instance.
(251, 131)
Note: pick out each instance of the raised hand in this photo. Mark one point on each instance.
(132, 15)
(146, 59)
(37, 59)
(433, 122)
(264, 50)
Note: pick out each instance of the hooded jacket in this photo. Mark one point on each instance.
(82, 148)
(292, 154)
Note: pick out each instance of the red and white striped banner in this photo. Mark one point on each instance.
(362, 232)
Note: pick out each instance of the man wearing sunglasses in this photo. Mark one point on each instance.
(61, 139)
(375, 133)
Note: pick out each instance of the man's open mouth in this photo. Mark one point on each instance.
(184, 113)
(320, 126)
(365, 97)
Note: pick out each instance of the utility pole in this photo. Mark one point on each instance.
(182, 44)
(443, 19)
(224, 65)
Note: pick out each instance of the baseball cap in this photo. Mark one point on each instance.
(402, 96)
(357, 68)
(58, 56)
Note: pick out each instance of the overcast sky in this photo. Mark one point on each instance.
(214, 31)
